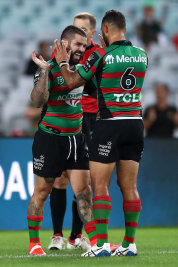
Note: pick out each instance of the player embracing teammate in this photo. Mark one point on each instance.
(118, 135)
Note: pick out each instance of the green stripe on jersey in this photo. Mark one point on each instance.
(120, 65)
(62, 103)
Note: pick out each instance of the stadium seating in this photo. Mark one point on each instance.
(24, 23)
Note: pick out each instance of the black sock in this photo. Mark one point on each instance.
(58, 208)
(77, 224)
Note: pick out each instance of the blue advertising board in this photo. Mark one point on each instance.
(157, 183)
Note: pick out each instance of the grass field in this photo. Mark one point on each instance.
(156, 247)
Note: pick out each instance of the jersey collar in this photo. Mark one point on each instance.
(122, 42)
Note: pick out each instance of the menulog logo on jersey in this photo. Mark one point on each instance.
(110, 59)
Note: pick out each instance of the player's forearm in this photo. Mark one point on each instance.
(40, 94)
(71, 78)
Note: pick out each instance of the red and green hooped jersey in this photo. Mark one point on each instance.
(62, 114)
(120, 70)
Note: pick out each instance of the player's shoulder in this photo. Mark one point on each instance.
(140, 50)
(101, 51)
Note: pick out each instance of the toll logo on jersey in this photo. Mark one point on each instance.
(90, 62)
(109, 59)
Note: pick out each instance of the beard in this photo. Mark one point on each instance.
(105, 39)
(73, 60)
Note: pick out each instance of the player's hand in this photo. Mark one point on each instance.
(42, 64)
(103, 44)
(60, 51)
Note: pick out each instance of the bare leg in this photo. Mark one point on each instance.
(100, 177)
(127, 171)
(80, 181)
(43, 187)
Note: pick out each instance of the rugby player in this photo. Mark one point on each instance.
(59, 145)
(86, 22)
(118, 135)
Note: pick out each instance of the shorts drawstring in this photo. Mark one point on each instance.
(69, 148)
(75, 149)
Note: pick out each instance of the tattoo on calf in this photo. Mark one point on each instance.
(33, 210)
(84, 208)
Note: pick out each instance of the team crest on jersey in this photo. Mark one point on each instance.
(109, 59)
(60, 80)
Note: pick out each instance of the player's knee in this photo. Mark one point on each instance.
(42, 195)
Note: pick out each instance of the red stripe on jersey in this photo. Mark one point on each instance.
(126, 113)
(101, 51)
(102, 207)
(65, 116)
(49, 67)
(33, 228)
(119, 75)
(89, 104)
(49, 80)
(122, 104)
(119, 90)
(63, 130)
(101, 221)
(56, 74)
(129, 239)
(102, 236)
(105, 198)
(60, 88)
(93, 69)
(139, 74)
(56, 103)
(131, 224)
(35, 218)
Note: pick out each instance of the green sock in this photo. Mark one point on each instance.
(90, 229)
(101, 211)
(34, 226)
(131, 213)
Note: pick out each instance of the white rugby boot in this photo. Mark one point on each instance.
(57, 243)
(96, 251)
(131, 250)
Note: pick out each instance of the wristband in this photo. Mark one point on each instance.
(63, 63)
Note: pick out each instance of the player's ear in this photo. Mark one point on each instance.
(93, 33)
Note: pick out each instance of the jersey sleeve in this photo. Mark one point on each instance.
(87, 71)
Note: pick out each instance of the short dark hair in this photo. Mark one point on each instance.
(90, 17)
(69, 32)
(116, 18)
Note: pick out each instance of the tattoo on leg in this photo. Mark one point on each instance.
(49, 180)
(33, 210)
(84, 206)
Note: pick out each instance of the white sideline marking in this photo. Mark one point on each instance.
(72, 255)
(32, 256)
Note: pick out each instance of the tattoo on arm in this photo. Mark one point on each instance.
(40, 93)
(84, 206)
